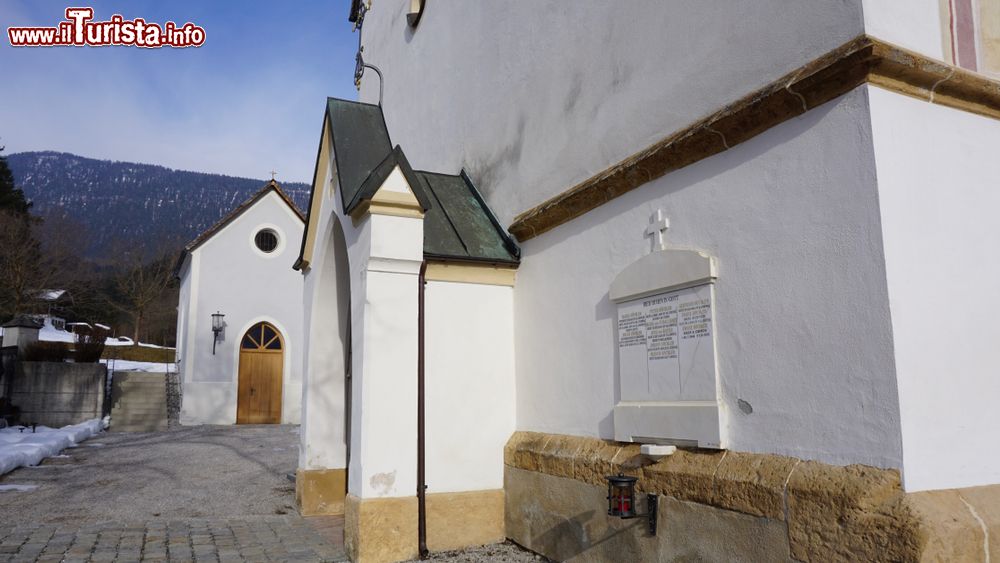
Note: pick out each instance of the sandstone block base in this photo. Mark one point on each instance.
(726, 506)
(320, 492)
(459, 520)
(380, 530)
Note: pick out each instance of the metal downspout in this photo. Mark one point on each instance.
(421, 477)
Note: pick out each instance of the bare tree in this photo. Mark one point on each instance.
(27, 265)
(141, 278)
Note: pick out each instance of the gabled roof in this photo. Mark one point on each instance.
(380, 174)
(360, 143)
(204, 237)
(459, 224)
(240, 209)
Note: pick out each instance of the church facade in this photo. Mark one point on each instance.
(239, 316)
(748, 246)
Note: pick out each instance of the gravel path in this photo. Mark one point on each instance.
(506, 552)
(191, 472)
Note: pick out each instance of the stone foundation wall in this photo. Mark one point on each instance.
(173, 400)
(723, 505)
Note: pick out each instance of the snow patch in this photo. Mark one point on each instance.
(19, 446)
(17, 488)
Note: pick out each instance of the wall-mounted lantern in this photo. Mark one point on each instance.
(217, 326)
(621, 501)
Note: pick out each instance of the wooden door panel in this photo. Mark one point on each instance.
(260, 377)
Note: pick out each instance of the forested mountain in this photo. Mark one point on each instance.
(110, 202)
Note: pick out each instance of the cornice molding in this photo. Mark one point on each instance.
(859, 61)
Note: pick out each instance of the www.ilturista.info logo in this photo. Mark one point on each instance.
(79, 30)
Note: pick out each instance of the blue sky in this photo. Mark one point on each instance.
(249, 100)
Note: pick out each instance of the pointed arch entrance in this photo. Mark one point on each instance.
(262, 355)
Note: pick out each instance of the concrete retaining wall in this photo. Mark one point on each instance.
(56, 394)
(138, 402)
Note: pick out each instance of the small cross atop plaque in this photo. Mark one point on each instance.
(658, 225)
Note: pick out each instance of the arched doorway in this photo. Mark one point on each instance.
(260, 376)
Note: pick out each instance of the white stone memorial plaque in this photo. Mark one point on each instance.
(666, 346)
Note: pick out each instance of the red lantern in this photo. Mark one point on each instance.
(621, 500)
(621, 496)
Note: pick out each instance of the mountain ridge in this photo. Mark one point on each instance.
(129, 201)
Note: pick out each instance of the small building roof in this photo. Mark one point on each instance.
(458, 224)
(48, 294)
(271, 186)
(22, 321)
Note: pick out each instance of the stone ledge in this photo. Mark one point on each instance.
(850, 512)
(860, 61)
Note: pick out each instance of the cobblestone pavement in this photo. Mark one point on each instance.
(270, 538)
(193, 494)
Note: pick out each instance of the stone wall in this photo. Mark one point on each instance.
(173, 400)
(725, 505)
(56, 394)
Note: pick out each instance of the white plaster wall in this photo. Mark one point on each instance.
(913, 24)
(383, 256)
(324, 393)
(469, 384)
(230, 275)
(534, 96)
(802, 317)
(937, 176)
(183, 312)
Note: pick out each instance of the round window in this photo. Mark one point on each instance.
(266, 240)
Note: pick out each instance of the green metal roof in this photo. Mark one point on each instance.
(360, 143)
(374, 181)
(458, 225)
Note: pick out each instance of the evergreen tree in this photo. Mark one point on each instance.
(11, 198)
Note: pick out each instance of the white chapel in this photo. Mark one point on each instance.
(239, 316)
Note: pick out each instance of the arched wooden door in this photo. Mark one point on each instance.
(261, 360)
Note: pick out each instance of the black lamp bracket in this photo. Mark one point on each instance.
(650, 515)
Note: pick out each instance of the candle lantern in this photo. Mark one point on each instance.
(621, 496)
(217, 326)
(621, 500)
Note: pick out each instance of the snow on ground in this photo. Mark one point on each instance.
(20, 446)
(129, 365)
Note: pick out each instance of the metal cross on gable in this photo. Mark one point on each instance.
(273, 174)
(658, 225)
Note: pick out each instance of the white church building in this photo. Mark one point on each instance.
(752, 266)
(239, 316)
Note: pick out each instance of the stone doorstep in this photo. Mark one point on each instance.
(850, 512)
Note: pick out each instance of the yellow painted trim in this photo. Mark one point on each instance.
(376, 208)
(387, 202)
(398, 199)
(322, 165)
(470, 273)
(320, 491)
